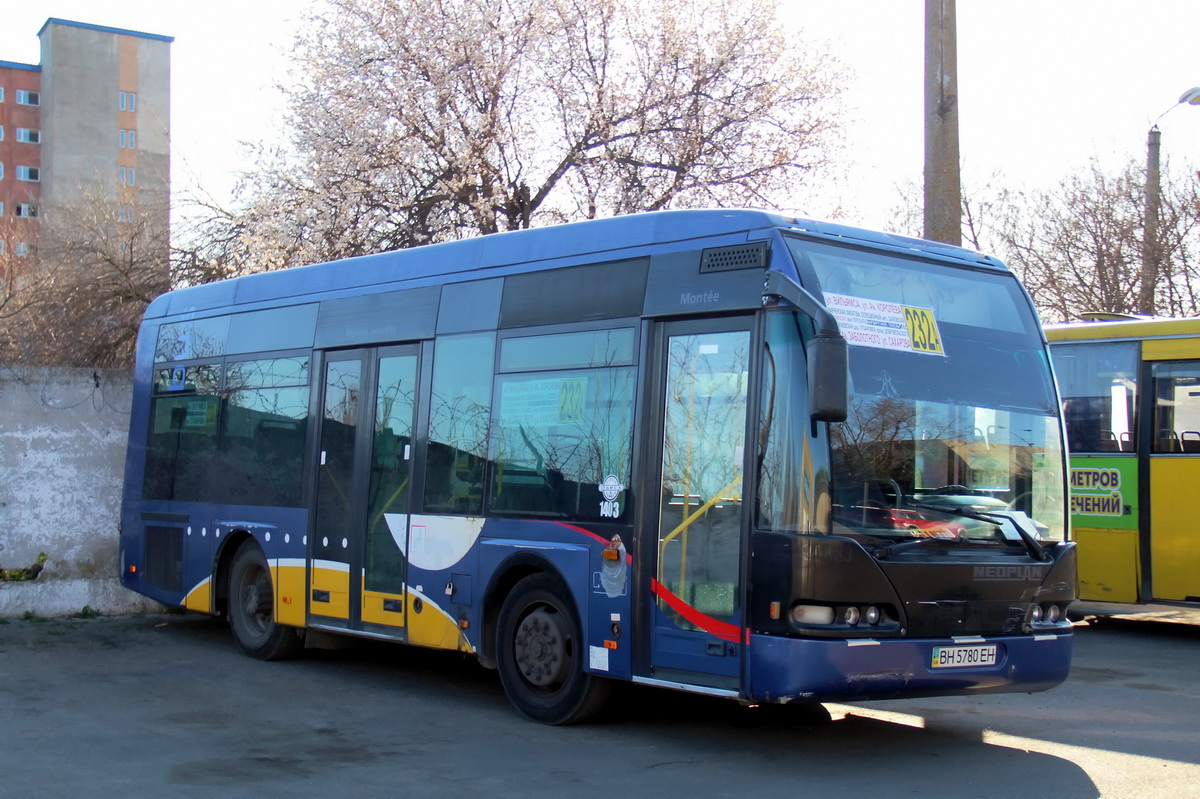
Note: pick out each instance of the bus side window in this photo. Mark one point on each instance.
(793, 473)
(459, 412)
(563, 424)
(1099, 394)
(262, 446)
(1176, 386)
(558, 436)
(182, 442)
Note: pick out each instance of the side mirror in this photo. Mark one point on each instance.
(828, 378)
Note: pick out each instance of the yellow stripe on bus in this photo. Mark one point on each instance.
(288, 578)
(433, 626)
(335, 583)
(199, 598)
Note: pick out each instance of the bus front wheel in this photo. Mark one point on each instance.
(540, 653)
(252, 608)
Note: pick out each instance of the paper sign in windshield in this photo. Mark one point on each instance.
(886, 325)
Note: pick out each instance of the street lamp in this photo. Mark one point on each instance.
(1153, 199)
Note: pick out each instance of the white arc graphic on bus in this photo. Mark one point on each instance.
(438, 542)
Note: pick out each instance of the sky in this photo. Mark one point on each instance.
(1045, 86)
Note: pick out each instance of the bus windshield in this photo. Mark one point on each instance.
(953, 415)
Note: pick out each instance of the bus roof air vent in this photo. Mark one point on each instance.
(739, 256)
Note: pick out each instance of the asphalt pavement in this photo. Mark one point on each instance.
(166, 705)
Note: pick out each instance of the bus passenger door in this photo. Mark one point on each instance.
(696, 582)
(1174, 469)
(357, 562)
(387, 504)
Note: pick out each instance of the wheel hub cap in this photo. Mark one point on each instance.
(539, 649)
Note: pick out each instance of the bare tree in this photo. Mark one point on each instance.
(1078, 247)
(79, 297)
(19, 281)
(984, 208)
(212, 243)
(431, 121)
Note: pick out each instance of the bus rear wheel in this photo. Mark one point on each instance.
(540, 653)
(252, 608)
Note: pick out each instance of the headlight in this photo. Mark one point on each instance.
(812, 614)
(1036, 614)
(872, 615)
(1053, 614)
(851, 616)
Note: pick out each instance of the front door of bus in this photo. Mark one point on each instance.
(1174, 470)
(357, 564)
(697, 579)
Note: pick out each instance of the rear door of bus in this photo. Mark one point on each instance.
(357, 563)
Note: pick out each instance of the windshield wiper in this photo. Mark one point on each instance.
(994, 517)
(1031, 543)
(891, 549)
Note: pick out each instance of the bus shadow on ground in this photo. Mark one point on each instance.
(378, 710)
(732, 746)
(840, 752)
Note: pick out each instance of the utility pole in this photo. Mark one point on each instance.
(1150, 270)
(1151, 238)
(943, 189)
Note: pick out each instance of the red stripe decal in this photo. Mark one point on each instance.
(588, 533)
(600, 539)
(721, 629)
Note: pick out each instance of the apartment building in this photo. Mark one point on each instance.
(88, 127)
(20, 155)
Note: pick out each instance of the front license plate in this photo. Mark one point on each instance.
(952, 657)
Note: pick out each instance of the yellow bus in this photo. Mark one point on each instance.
(1131, 402)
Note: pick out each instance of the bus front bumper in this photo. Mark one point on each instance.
(803, 669)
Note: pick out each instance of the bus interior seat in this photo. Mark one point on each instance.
(1168, 441)
(1126, 442)
(1190, 441)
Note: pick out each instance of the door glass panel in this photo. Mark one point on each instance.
(336, 481)
(1174, 543)
(1177, 407)
(390, 451)
(699, 543)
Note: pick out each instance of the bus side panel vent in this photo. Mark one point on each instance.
(740, 256)
(164, 557)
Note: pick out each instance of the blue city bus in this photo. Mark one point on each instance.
(726, 452)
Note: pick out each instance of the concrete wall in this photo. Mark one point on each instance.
(62, 456)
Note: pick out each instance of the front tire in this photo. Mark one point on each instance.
(252, 608)
(540, 651)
